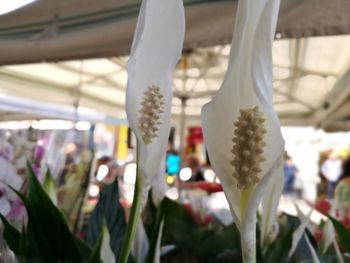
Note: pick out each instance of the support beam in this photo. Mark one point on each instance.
(337, 97)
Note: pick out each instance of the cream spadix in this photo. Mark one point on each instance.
(241, 129)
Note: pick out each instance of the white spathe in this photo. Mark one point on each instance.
(159, 184)
(270, 201)
(247, 84)
(155, 52)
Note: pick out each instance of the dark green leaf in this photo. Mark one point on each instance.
(343, 233)
(109, 209)
(48, 232)
(219, 241)
(160, 213)
(83, 247)
(278, 251)
(95, 256)
(11, 235)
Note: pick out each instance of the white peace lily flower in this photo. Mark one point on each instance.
(155, 51)
(269, 226)
(298, 233)
(313, 253)
(329, 236)
(141, 244)
(241, 129)
(159, 185)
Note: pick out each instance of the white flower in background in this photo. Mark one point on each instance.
(329, 236)
(9, 177)
(241, 129)
(155, 51)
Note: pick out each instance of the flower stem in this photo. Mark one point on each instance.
(133, 217)
(248, 246)
(248, 249)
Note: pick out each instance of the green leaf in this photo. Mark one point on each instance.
(108, 209)
(219, 241)
(11, 235)
(95, 256)
(160, 213)
(343, 233)
(278, 251)
(49, 187)
(48, 236)
(195, 242)
(19, 194)
(84, 249)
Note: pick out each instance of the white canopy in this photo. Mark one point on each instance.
(311, 83)
(312, 74)
(57, 30)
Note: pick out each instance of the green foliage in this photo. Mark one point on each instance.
(192, 241)
(48, 234)
(47, 238)
(278, 251)
(108, 211)
(343, 234)
(11, 235)
(96, 253)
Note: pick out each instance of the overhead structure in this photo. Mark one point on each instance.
(56, 30)
(311, 65)
(311, 83)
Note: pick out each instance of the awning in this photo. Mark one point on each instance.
(311, 82)
(56, 30)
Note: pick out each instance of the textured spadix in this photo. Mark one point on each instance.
(241, 129)
(155, 51)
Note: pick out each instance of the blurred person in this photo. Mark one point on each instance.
(342, 192)
(192, 162)
(331, 169)
(290, 173)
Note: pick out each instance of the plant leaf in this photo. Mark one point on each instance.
(108, 209)
(343, 233)
(107, 255)
(95, 256)
(279, 250)
(11, 235)
(84, 249)
(47, 229)
(49, 187)
(156, 231)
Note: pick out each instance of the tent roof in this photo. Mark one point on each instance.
(311, 83)
(56, 30)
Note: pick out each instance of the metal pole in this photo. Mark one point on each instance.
(182, 126)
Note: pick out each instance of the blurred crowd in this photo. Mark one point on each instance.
(334, 177)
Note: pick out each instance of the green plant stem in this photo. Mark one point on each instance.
(133, 217)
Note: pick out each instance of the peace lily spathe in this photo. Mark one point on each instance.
(241, 129)
(155, 51)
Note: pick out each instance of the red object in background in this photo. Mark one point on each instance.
(195, 135)
(346, 222)
(206, 186)
(197, 218)
(323, 206)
